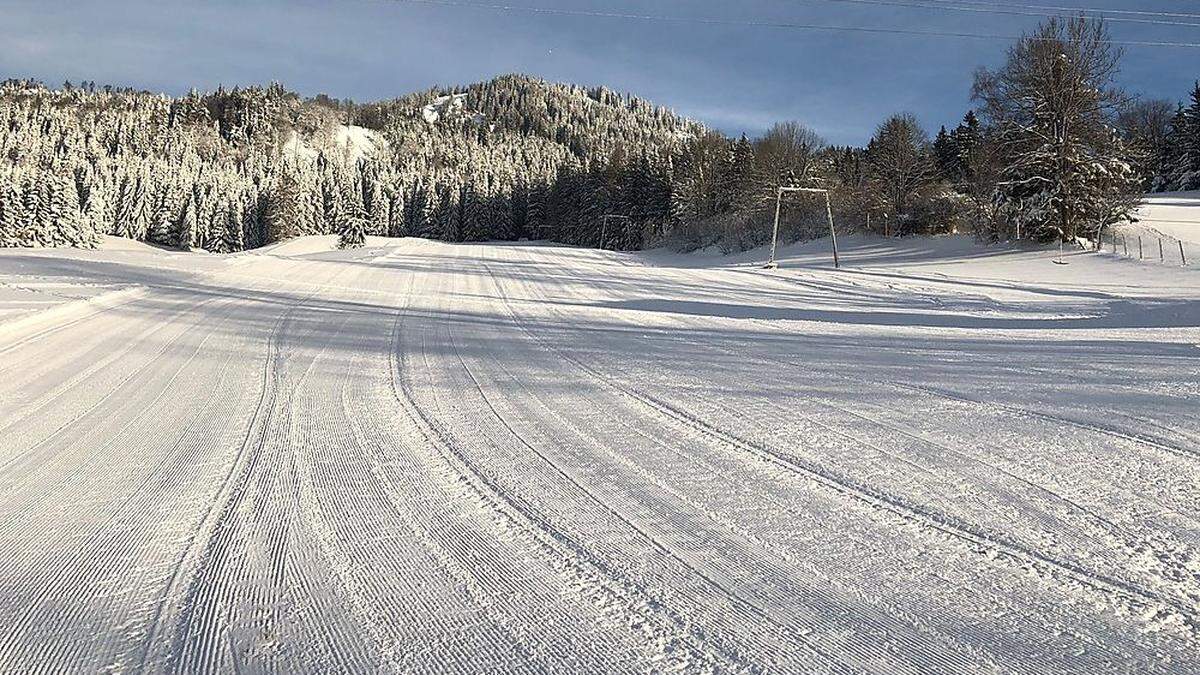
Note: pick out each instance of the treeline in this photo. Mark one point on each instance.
(236, 169)
(1054, 149)
(1171, 135)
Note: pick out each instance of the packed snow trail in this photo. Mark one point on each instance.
(426, 457)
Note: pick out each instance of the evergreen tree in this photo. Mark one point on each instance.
(1187, 172)
(285, 213)
(946, 156)
(11, 214)
(184, 235)
(232, 237)
(379, 215)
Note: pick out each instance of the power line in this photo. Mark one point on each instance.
(1103, 11)
(750, 23)
(959, 6)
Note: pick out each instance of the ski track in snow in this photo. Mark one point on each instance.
(425, 457)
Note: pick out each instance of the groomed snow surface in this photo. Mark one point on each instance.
(427, 457)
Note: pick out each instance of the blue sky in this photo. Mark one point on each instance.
(736, 78)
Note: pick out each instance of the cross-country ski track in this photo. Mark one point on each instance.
(531, 458)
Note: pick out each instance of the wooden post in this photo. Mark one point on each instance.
(1161, 258)
(1181, 255)
(1140, 247)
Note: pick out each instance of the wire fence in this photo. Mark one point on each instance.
(1151, 247)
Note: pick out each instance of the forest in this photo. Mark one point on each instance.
(1052, 149)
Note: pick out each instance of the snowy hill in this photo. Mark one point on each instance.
(1172, 214)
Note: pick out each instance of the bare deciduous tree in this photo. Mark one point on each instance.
(899, 161)
(1053, 105)
(787, 153)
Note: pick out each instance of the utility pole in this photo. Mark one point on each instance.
(771, 264)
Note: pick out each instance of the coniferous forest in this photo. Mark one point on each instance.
(1053, 149)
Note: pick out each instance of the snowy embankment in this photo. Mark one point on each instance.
(427, 457)
(69, 281)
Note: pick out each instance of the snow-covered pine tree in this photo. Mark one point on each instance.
(163, 219)
(58, 225)
(37, 192)
(285, 206)
(741, 183)
(396, 223)
(378, 214)
(535, 210)
(141, 209)
(232, 238)
(353, 233)
(10, 211)
(125, 224)
(1188, 140)
(184, 235)
(95, 210)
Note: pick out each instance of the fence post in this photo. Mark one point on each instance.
(1181, 256)
(1140, 247)
(1161, 258)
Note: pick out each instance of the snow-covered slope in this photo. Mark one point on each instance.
(1172, 214)
(346, 141)
(448, 107)
(426, 457)
(442, 106)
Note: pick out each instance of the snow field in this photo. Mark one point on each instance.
(1169, 219)
(425, 457)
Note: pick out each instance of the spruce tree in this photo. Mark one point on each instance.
(285, 209)
(185, 227)
(945, 154)
(1188, 171)
(353, 233)
(233, 238)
